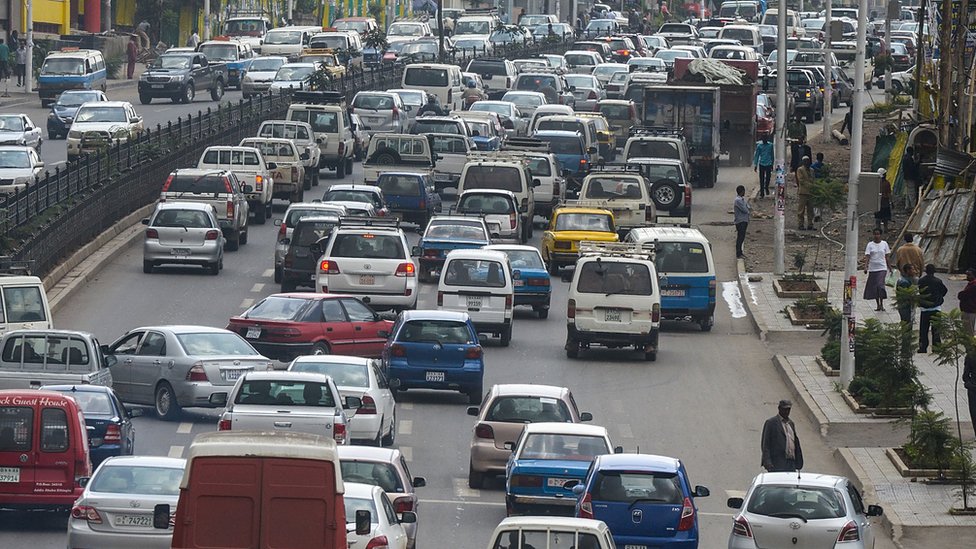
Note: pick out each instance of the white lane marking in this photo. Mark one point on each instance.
(461, 489)
(625, 430)
(257, 287)
(175, 451)
(462, 503)
(407, 452)
(732, 296)
(405, 406)
(267, 273)
(184, 428)
(752, 292)
(247, 303)
(406, 427)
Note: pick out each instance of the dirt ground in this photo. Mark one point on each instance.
(823, 246)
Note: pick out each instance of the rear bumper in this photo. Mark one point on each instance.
(681, 312)
(197, 394)
(281, 351)
(299, 277)
(81, 536)
(466, 378)
(382, 301)
(558, 505)
(365, 427)
(40, 501)
(613, 338)
(681, 541)
(160, 254)
(533, 298)
(492, 327)
(486, 458)
(564, 258)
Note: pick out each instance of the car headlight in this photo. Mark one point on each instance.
(120, 133)
(73, 134)
(177, 78)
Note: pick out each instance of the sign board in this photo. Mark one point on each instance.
(868, 192)
(836, 30)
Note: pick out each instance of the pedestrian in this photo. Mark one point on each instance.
(848, 119)
(781, 452)
(194, 40)
(804, 186)
(967, 301)
(21, 58)
(905, 306)
(931, 296)
(142, 31)
(883, 216)
(131, 53)
(799, 149)
(4, 61)
(740, 211)
(762, 162)
(909, 252)
(796, 130)
(877, 267)
(912, 175)
(969, 382)
(818, 167)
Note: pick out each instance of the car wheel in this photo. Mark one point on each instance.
(349, 165)
(288, 287)
(341, 169)
(543, 312)
(811, 116)
(385, 157)
(234, 242)
(147, 267)
(475, 395)
(244, 237)
(706, 323)
(145, 99)
(297, 196)
(277, 274)
(897, 88)
(167, 407)
(189, 93)
(475, 479)
(572, 348)
(259, 213)
(218, 91)
(665, 194)
(506, 336)
(390, 437)
(320, 348)
(650, 356)
(214, 268)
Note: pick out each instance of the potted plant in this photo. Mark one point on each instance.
(798, 284)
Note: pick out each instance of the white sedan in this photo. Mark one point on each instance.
(375, 420)
(296, 76)
(384, 528)
(19, 166)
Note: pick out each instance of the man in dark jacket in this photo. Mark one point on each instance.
(780, 445)
(931, 292)
(969, 382)
(967, 301)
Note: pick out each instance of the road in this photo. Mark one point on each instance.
(704, 400)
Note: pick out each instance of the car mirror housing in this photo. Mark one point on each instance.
(734, 503)
(161, 516)
(352, 403)
(702, 492)
(419, 482)
(473, 411)
(875, 511)
(363, 522)
(218, 399)
(586, 416)
(509, 445)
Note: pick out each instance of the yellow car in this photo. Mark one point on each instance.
(604, 135)
(326, 59)
(568, 226)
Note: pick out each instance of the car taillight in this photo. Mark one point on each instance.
(403, 504)
(152, 233)
(586, 506)
(649, 214)
(571, 309)
(224, 425)
(396, 114)
(328, 266)
(687, 196)
(282, 231)
(450, 96)
(85, 512)
(711, 288)
(423, 205)
(407, 270)
(368, 406)
(555, 187)
(740, 527)
(169, 181)
(656, 312)
(277, 331)
(687, 521)
(849, 532)
(113, 435)
(212, 235)
(537, 282)
(473, 353)
(197, 373)
(339, 432)
(294, 173)
(509, 301)
(583, 163)
(526, 481)
(230, 209)
(379, 542)
(483, 430)
(258, 183)
(398, 350)
(440, 299)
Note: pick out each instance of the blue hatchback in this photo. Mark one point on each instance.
(530, 276)
(571, 153)
(646, 500)
(435, 350)
(109, 423)
(410, 196)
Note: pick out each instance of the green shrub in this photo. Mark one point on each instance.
(113, 66)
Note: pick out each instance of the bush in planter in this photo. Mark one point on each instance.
(833, 324)
(931, 444)
(885, 358)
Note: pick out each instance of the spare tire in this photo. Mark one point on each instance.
(385, 156)
(666, 194)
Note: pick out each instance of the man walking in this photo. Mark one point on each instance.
(131, 54)
(912, 176)
(932, 292)
(909, 252)
(741, 211)
(194, 40)
(4, 61)
(904, 284)
(969, 382)
(967, 301)
(780, 445)
(21, 56)
(762, 162)
(804, 186)
(142, 30)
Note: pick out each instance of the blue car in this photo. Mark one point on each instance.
(571, 153)
(435, 350)
(646, 500)
(109, 423)
(531, 278)
(443, 234)
(410, 196)
(547, 461)
(64, 109)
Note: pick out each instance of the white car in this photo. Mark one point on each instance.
(375, 419)
(100, 124)
(259, 76)
(526, 101)
(802, 510)
(17, 129)
(293, 76)
(386, 528)
(19, 166)
(116, 508)
(352, 192)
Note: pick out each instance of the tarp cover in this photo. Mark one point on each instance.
(714, 71)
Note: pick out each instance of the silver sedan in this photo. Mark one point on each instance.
(19, 166)
(185, 233)
(259, 77)
(116, 509)
(587, 90)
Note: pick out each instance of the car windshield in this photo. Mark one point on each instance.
(358, 26)
(808, 502)
(680, 257)
(616, 112)
(472, 27)
(608, 70)
(291, 74)
(456, 230)
(266, 64)
(278, 152)
(359, 504)
(244, 27)
(563, 447)
(190, 219)
(367, 246)
(76, 99)
(551, 537)
(220, 52)
(14, 159)
(609, 188)
(524, 259)
(674, 28)
(411, 97)
(71, 66)
(11, 123)
(172, 62)
(285, 392)
(373, 473)
(282, 37)
(94, 113)
(615, 278)
(472, 43)
(92, 403)
(742, 35)
(727, 53)
(633, 486)
(344, 374)
(372, 101)
(438, 331)
(486, 204)
(584, 222)
(564, 145)
(475, 272)
(653, 149)
(278, 308)
(295, 214)
(619, 77)
(506, 178)
(504, 36)
(670, 55)
(425, 77)
(215, 344)
(424, 47)
(528, 409)
(137, 479)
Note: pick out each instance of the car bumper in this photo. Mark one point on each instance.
(81, 536)
(196, 394)
(161, 254)
(486, 458)
(166, 89)
(301, 278)
(613, 338)
(251, 87)
(564, 258)
(463, 379)
(541, 501)
(489, 326)
(57, 126)
(584, 105)
(533, 298)
(680, 541)
(381, 301)
(365, 427)
(281, 351)
(39, 501)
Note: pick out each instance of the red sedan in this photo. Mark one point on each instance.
(283, 326)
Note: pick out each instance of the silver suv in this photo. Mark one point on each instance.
(379, 111)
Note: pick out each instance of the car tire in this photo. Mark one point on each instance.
(315, 176)
(349, 166)
(475, 395)
(897, 88)
(572, 348)
(234, 242)
(543, 312)
(385, 156)
(244, 236)
(650, 356)
(277, 274)
(147, 267)
(390, 437)
(811, 116)
(52, 136)
(189, 93)
(145, 99)
(506, 336)
(666, 194)
(259, 214)
(706, 323)
(165, 404)
(320, 348)
(217, 91)
(341, 169)
(476, 480)
(214, 268)
(288, 286)
(531, 227)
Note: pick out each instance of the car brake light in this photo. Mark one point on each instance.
(592, 95)
(512, 220)
(113, 435)
(85, 512)
(282, 231)
(328, 266)
(258, 183)
(687, 521)
(687, 196)
(740, 527)
(526, 481)
(152, 233)
(509, 301)
(197, 373)
(368, 406)
(279, 331)
(212, 235)
(407, 270)
(224, 425)
(230, 209)
(711, 288)
(396, 114)
(586, 506)
(849, 532)
(423, 205)
(571, 309)
(473, 353)
(398, 350)
(339, 432)
(440, 299)
(403, 504)
(483, 430)
(582, 164)
(555, 187)
(656, 312)
(379, 542)
(169, 181)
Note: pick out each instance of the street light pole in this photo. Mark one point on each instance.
(829, 73)
(29, 68)
(887, 50)
(206, 20)
(779, 236)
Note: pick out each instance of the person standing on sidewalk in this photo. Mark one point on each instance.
(932, 292)
(131, 54)
(967, 301)
(883, 216)
(804, 186)
(762, 162)
(194, 40)
(906, 308)
(142, 31)
(876, 266)
(780, 446)
(4, 61)
(741, 211)
(21, 56)
(969, 382)
(909, 252)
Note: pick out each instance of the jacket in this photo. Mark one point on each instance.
(967, 298)
(804, 181)
(932, 291)
(969, 374)
(774, 446)
(741, 210)
(764, 154)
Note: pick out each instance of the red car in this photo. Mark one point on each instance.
(765, 121)
(283, 326)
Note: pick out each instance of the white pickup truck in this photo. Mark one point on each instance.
(248, 164)
(621, 189)
(397, 152)
(288, 402)
(32, 358)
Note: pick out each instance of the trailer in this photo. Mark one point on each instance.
(695, 111)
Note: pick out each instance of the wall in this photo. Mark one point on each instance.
(50, 16)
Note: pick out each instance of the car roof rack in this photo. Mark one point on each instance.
(495, 156)
(480, 11)
(514, 144)
(413, 19)
(655, 130)
(326, 97)
(15, 267)
(610, 168)
(631, 250)
(387, 222)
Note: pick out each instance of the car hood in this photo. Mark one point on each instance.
(65, 112)
(11, 136)
(12, 173)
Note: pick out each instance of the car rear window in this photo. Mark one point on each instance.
(568, 447)
(653, 149)
(215, 344)
(445, 144)
(540, 166)
(506, 178)
(456, 231)
(475, 272)
(286, 131)
(285, 393)
(372, 101)
(486, 204)
(346, 195)
(563, 144)
(191, 219)
(321, 121)
(614, 278)
(274, 151)
(425, 77)
(16, 428)
(344, 375)
(551, 538)
(634, 486)
(198, 184)
(584, 222)
(310, 232)
(230, 157)
(525, 259)
(535, 82)
(399, 185)
(367, 246)
(421, 126)
(562, 125)
(373, 473)
(528, 409)
(126, 479)
(810, 502)
(611, 188)
(92, 403)
(681, 257)
(278, 308)
(442, 331)
(616, 112)
(50, 350)
(295, 214)
(494, 68)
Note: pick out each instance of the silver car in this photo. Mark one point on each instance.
(17, 129)
(286, 226)
(413, 101)
(116, 509)
(380, 111)
(183, 233)
(526, 101)
(175, 367)
(19, 166)
(587, 90)
(258, 78)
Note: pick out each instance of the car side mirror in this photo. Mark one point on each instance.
(197, 66)
(304, 156)
(218, 399)
(39, 165)
(508, 125)
(364, 522)
(271, 165)
(416, 250)
(315, 249)
(145, 221)
(133, 412)
(419, 482)
(566, 276)
(161, 516)
(248, 189)
(586, 416)
(510, 446)
(734, 503)
(618, 449)
(278, 222)
(536, 182)
(407, 108)
(408, 517)
(473, 411)
(110, 361)
(702, 492)
(875, 510)
(352, 403)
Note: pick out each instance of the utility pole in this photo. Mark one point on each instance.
(945, 73)
(889, 94)
(829, 72)
(440, 31)
(962, 31)
(847, 341)
(291, 8)
(29, 69)
(206, 20)
(779, 237)
(919, 54)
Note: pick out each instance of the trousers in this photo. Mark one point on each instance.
(926, 320)
(765, 173)
(740, 237)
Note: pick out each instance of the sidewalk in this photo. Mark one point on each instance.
(17, 96)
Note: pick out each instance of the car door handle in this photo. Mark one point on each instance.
(328, 329)
(127, 361)
(283, 424)
(157, 362)
(359, 328)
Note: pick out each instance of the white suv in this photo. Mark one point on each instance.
(369, 257)
(614, 299)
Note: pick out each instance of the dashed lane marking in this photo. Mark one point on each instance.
(461, 489)
(407, 452)
(406, 406)
(406, 427)
(267, 273)
(257, 287)
(625, 430)
(184, 428)
(247, 303)
(462, 503)
(175, 451)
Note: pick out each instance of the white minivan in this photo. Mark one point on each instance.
(444, 81)
(288, 41)
(23, 304)
(479, 282)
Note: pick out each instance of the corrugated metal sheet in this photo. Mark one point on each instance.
(942, 221)
(952, 163)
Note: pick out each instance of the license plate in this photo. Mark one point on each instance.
(672, 293)
(473, 301)
(367, 280)
(180, 251)
(133, 520)
(612, 315)
(519, 283)
(157, 86)
(232, 375)
(435, 376)
(556, 482)
(253, 333)
(635, 547)
(9, 474)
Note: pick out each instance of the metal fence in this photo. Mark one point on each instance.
(70, 206)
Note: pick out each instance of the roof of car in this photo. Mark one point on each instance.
(670, 233)
(621, 102)
(357, 490)
(145, 461)
(368, 453)
(418, 174)
(508, 389)
(333, 359)
(581, 210)
(639, 461)
(653, 160)
(431, 314)
(351, 204)
(479, 253)
(508, 194)
(285, 375)
(307, 295)
(799, 478)
(109, 103)
(566, 429)
(182, 205)
(355, 187)
(80, 388)
(557, 133)
(555, 523)
(185, 329)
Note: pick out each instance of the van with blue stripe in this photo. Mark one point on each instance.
(71, 69)
(686, 272)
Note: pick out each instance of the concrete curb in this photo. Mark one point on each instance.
(742, 276)
(85, 263)
(853, 470)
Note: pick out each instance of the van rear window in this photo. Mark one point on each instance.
(16, 428)
(397, 185)
(232, 157)
(630, 486)
(681, 257)
(562, 125)
(23, 304)
(285, 393)
(286, 131)
(309, 232)
(506, 178)
(321, 121)
(367, 246)
(653, 149)
(425, 77)
(563, 145)
(475, 272)
(615, 278)
(494, 68)
(206, 184)
(54, 430)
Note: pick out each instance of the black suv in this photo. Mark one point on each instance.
(305, 246)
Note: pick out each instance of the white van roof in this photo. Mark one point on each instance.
(479, 253)
(667, 233)
(553, 523)
(18, 280)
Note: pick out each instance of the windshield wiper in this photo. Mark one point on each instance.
(646, 500)
(789, 515)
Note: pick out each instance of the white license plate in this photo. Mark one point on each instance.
(133, 520)
(9, 474)
(556, 482)
(253, 333)
(612, 315)
(519, 283)
(672, 293)
(367, 280)
(157, 86)
(435, 376)
(233, 375)
(473, 301)
(180, 251)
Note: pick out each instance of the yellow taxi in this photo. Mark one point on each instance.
(326, 59)
(567, 227)
(604, 135)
